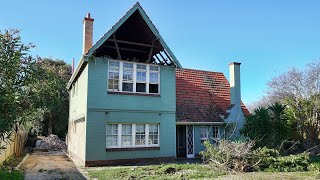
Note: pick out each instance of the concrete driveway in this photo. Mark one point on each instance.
(50, 165)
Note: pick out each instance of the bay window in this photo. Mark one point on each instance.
(133, 77)
(132, 135)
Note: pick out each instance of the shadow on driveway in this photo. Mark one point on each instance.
(50, 165)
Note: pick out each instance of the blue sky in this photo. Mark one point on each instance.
(267, 37)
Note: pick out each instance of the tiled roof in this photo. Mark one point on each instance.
(202, 96)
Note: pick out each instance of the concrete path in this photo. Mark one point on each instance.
(50, 165)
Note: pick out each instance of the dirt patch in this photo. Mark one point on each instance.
(50, 165)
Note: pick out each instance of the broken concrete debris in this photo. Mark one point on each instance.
(52, 142)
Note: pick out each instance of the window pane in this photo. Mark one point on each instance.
(141, 87)
(126, 129)
(126, 140)
(112, 134)
(153, 134)
(204, 132)
(153, 88)
(215, 132)
(141, 76)
(113, 84)
(127, 87)
(154, 68)
(154, 77)
(127, 75)
(113, 74)
(128, 65)
(140, 66)
(114, 64)
(140, 134)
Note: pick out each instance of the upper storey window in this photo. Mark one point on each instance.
(133, 77)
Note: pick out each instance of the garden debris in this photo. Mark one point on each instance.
(51, 142)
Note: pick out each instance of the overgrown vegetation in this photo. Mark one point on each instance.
(270, 127)
(241, 157)
(299, 90)
(32, 90)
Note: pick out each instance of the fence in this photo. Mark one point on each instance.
(14, 147)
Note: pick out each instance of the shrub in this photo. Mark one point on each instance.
(240, 156)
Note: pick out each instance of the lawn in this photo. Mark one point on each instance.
(164, 171)
(195, 171)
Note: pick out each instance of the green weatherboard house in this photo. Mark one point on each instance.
(131, 101)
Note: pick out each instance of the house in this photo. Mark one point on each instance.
(131, 100)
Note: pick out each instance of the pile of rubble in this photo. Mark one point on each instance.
(51, 142)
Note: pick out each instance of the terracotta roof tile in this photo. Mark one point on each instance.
(202, 96)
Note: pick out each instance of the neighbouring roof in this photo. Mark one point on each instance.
(202, 96)
(135, 38)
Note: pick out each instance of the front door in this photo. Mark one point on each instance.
(181, 141)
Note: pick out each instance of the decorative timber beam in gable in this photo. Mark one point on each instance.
(151, 51)
(127, 49)
(117, 47)
(135, 43)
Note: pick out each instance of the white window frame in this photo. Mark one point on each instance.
(206, 133)
(214, 129)
(133, 144)
(152, 71)
(113, 135)
(127, 81)
(121, 69)
(153, 145)
(141, 70)
(120, 76)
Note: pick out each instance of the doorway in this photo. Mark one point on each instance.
(181, 141)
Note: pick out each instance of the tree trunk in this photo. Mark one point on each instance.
(50, 127)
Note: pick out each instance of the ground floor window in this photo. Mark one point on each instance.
(132, 135)
(204, 133)
(216, 134)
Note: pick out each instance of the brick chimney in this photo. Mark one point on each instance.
(235, 88)
(87, 33)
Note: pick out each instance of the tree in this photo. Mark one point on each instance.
(51, 97)
(268, 126)
(16, 72)
(300, 90)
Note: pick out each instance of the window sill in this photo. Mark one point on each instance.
(133, 94)
(133, 149)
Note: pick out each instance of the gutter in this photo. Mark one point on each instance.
(83, 61)
(200, 123)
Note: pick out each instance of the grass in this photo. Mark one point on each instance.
(7, 169)
(196, 171)
(164, 171)
(7, 173)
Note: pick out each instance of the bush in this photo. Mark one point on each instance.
(239, 156)
(269, 126)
